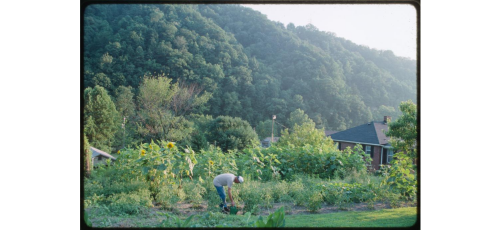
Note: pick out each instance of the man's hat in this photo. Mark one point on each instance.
(240, 179)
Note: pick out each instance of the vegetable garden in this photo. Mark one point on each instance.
(156, 179)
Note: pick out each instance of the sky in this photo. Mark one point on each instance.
(379, 26)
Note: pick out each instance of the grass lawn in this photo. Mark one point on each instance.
(400, 217)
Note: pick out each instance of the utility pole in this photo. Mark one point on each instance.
(272, 130)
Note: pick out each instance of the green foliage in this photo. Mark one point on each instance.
(157, 120)
(194, 193)
(169, 195)
(100, 118)
(107, 188)
(276, 219)
(87, 157)
(315, 198)
(231, 133)
(177, 222)
(215, 162)
(211, 219)
(298, 117)
(265, 128)
(401, 177)
(305, 134)
(198, 138)
(130, 203)
(251, 194)
(252, 66)
(403, 131)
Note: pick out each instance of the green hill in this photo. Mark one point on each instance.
(253, 67)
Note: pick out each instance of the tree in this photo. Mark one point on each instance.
(125, 101)
(403, 134)
(162, 107)
(298, 117)
(198, 139)
(231, 133)
(265, 128)
(305, 134)
(100, 118)
(403, 131)
(126, 109)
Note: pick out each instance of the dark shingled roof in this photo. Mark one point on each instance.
(370, 133)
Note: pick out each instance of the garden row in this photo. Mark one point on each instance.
(160, 174)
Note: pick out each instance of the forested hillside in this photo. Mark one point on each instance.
(246, 65)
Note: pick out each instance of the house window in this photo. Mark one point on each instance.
(368, 150)
(99, 158)
(389, 155)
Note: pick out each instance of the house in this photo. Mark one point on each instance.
(373, 139)
(267, 141)
(100, 157)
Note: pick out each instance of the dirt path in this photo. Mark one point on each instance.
(187, 209)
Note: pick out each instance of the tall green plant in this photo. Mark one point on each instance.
(403, 131)
(400, 177)
(87, 157)
(100, 118)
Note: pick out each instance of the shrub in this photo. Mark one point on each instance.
(279, 191)
(169, 195)
(252, 196)
(267, 196)
(195, 192)
(131, 203)
(295, 188)
(314, 201)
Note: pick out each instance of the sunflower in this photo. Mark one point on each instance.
(143, 152)
(170, 145)
(211, 162)
(118, 152)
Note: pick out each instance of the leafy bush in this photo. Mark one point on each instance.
(131, 203)
(342, 194)
(314, 201)
(267, 196)
(117, 187)
(194, 193)
(280, 191)
(169, 195)
(400, 178)
(252, 196)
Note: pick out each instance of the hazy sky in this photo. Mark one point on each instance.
(383, 27)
